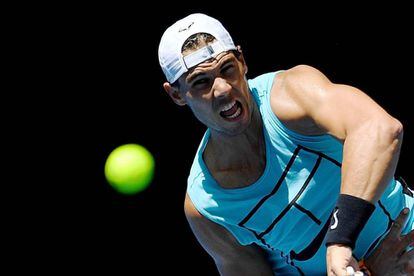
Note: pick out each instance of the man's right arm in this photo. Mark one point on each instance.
(230, 257)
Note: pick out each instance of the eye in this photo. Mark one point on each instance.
(228, 69)
(200, 82)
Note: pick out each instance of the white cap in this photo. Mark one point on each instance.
(172, 62)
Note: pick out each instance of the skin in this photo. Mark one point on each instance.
(393, 250)
(306, 102)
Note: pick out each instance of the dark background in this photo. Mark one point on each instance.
(110, 93)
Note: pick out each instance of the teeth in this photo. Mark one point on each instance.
(228, 106)
(235, 114)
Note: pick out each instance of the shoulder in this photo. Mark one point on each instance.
(294, 92)
(302, 78)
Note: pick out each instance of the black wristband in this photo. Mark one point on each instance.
(349, 218)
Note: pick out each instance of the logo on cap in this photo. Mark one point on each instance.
(184, 29)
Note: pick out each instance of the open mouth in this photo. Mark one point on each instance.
(231, 111)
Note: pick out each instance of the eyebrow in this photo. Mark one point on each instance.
(194, 75)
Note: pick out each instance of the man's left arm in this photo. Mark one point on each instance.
(372, 140)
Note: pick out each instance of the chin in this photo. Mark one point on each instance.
(237, 128)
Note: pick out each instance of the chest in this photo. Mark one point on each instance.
(240, 176)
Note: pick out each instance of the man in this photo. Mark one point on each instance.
(295, 173)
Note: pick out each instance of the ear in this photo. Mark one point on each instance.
(241, 59)
(174, 93)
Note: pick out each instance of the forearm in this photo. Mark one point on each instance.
(370, 158)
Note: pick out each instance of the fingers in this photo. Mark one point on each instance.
(351, 272)
(410, 265)
(353, 268)
(398, 224)
(407, 258)
(407, 240)
(340, 270)
(405, 264)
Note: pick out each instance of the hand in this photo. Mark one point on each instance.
(391, 256)
(338, 258)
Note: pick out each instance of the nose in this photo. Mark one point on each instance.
(221, 88)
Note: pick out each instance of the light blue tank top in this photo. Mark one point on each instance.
(287, 210)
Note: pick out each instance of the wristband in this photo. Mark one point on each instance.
(349, 218)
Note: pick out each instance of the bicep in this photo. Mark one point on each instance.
(335, 108)
(344, 109)
(230, 257)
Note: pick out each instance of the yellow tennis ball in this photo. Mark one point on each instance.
(129, 168)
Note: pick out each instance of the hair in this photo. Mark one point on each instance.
(195, 42)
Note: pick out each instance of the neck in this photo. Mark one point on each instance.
(243, 151)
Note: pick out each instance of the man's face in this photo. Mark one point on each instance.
(217, 93)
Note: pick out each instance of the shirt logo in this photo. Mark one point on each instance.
(335, 224)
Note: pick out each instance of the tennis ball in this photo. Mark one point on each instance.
(129, 168)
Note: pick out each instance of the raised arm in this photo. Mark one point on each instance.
(231, 258)
(372, 140)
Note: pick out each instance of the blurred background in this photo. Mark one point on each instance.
(110, 92)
